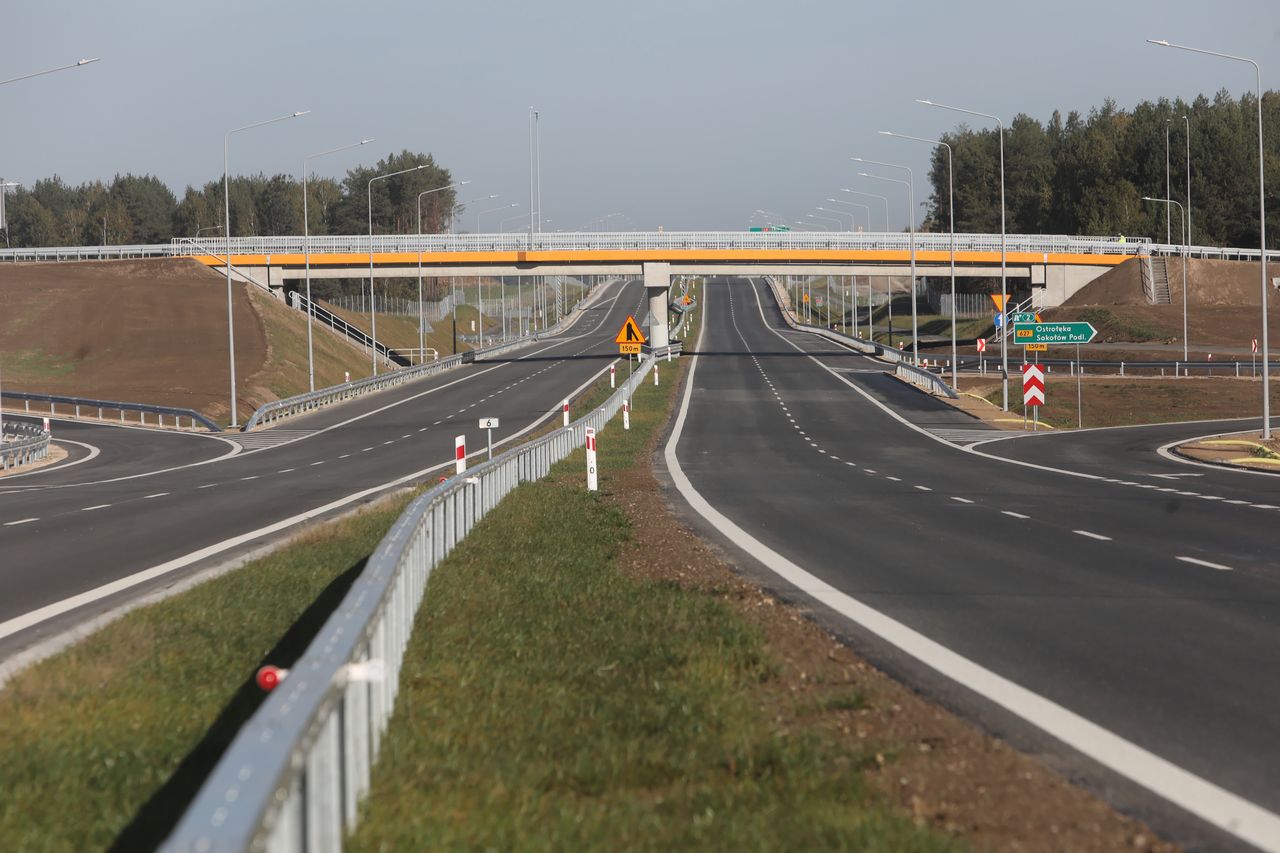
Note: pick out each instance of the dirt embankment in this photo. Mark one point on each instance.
(152, 331)
(1222, 308)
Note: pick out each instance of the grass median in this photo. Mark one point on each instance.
(552, 700)
(104, 744)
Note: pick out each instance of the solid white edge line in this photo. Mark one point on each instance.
(57, 608)
(57, 466)
(1206, 564)
(1200, 797)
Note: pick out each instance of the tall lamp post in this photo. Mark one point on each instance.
(493, 210)
(306, 251)
(422, 332)
(5, 187)
(866, 208)
(1262, 228)
(883, 200)
(1187, 122)
(1004, 281)
(951, 203)
(226, 219)
(1168, 202)
(373, 301)
(911, 222)
(1168, 211)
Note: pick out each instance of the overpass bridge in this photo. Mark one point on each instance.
(1053, 266)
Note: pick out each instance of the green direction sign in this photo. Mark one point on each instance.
(1053, 333)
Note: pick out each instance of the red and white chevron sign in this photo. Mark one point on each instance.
(1032, 385)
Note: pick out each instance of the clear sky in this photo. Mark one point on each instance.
(684, 115)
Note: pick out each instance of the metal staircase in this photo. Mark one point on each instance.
(356, 335)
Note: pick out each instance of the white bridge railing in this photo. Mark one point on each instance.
(613, 241)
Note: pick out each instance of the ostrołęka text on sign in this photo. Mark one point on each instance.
(1053, 333)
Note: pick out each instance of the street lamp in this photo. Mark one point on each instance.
(422, 333)
(911, 223)
(493, 210)
(226, 220)
(814, 225)
(1187, 122)
(1262, 229)
(839, 222)
(866, 208)
(76, 64)
(951, 203)
(1004, 285)
(1183, 212)
(848, 213)
(502, 223)
(883, 199)
(373, 299)
(1168, 213)
(4, 187)
(306, 252)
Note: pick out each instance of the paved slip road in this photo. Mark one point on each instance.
(1145, 624)
(154, 507)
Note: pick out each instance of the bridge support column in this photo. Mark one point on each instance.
(657, 286)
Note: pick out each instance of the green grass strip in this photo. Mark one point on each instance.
(107, 741)
(551, 702)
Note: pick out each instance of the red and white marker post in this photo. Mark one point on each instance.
(592, 476)
(566, 411)
(626, 414)
(1253, 359)
(655, 374)
(46, 426)
(459, 454)
(1032, 393)
(982, 347)
(612, 371)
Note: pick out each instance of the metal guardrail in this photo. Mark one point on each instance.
(294, 776)
(922, 378)
(29, 443)
(311, 400)
(141, 409)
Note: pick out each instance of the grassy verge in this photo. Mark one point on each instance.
(107, 741)
(552, 700)
(1121, 401)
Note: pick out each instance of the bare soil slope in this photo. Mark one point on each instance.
(1223, 305)
(151, 331)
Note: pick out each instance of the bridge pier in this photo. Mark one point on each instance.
(657, 286)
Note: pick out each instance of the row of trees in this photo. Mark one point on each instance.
(141, 209)
(1087, 175)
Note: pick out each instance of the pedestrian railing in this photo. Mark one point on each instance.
(99, 410)
(294, 776)
(21, 444)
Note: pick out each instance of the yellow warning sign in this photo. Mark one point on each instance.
(630, 333)
(628, 349)
(1037, 347)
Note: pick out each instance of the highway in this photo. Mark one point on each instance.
(151, 507)
(1085, 601)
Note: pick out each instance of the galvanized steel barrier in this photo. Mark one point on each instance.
(311, 400)
(77, 404)
(294, 776)
(922, 378)
(28, 443)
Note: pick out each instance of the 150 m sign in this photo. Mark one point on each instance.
(1053, 333)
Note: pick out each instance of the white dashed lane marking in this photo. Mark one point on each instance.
(91, 508)
(1013, 514)
(1090, 535)
(1197, 562)
(20, 521)
(961, 500)
(156, 495)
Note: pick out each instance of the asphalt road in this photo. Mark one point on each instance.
(154, 507)
(1142, 613)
